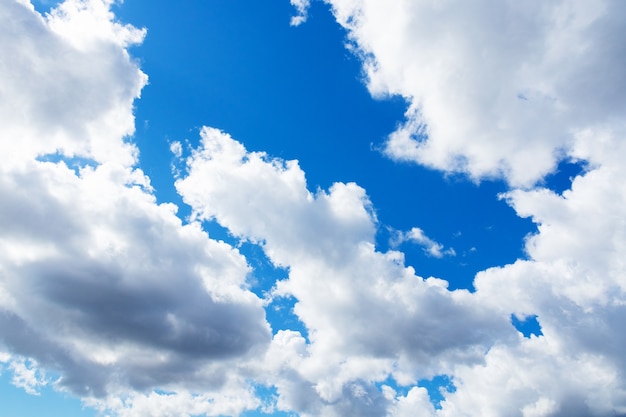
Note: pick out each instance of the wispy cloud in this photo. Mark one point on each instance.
(302, 11)
(417, 235)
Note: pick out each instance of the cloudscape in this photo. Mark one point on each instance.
(313, 208)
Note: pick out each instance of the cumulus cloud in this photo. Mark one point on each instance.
(507, 90)
(494, 88)
(98, 282)
(80, 105)
(141, 314)
(368, 316)
(302, 11)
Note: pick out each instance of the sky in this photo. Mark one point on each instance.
(312, 208)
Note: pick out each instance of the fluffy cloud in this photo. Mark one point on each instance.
(80, 105)
(507, 90)
(367, 315)
(98, 282)
(143, 315)
(494, 88)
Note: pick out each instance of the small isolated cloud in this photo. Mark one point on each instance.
(417, 235)
(27, 376)
(302, 11)
(176, 148)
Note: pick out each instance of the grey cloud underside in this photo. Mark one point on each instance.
(116, 312)
(160, 305)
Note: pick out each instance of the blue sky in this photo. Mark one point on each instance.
(317, 208)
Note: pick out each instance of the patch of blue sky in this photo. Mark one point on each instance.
(264, 275)
(44, 6)
(437, 388)
(527, 326)
(16, 402)
(297, 93)
(268, 396)
(281, 316)
(561, 179)
(75, 163)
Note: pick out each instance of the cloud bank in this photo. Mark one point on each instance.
(141, 314)
(494, 88)
(99, 284)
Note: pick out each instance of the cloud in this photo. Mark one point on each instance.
(494, 89)
(302, 11)
(141, 314)
(98, 282)
(27, 376)
(572, 279)
(368, 316)
(507, 90)
(78, 106)
(574, 282)
(416, 235)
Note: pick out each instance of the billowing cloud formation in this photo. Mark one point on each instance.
(508, 89)
(143, 315)
(494, 88)
(368, 316)
(98, 282)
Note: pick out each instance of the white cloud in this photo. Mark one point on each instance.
(302, 11)
(26, 375)
(572, 279)
(144, 316)
(368, 316)
(507, 89)
(98, 282)
(80, 105)
(494, 88)
(231, 399)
